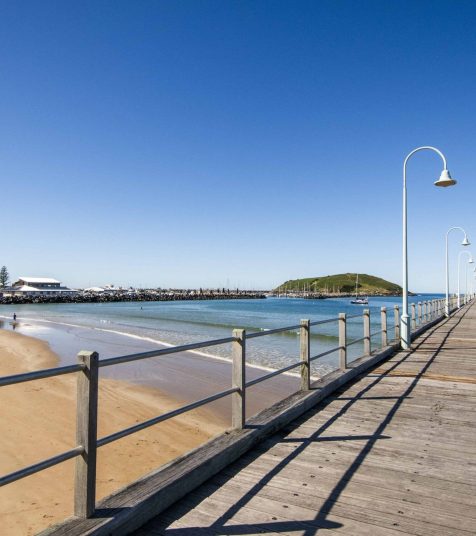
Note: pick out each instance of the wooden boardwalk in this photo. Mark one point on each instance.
(393, 453)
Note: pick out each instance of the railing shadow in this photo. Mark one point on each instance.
(311, 526)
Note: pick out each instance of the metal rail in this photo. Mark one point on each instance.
(332, 350)
(320, 322)
(40, 466)
(272, 374)
(355, 341)
(163, 351)
(271, 331)
(174, 413)
(39, 374)
(378, 332)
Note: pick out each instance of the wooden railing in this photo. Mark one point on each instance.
(88, 366)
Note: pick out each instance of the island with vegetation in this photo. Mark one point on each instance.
(338, 285)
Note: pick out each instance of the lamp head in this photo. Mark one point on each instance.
(465, 242)
(445, 179)
(471, 260)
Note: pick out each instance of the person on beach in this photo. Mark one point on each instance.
(14, 317)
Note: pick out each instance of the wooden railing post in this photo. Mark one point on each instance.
(86, 435)
(383, 321)
(305, 349)
(367, 345)
(342, 341)
(413, 317)
(420, 319)
(396, 321)
(425, 311)
(238, 399)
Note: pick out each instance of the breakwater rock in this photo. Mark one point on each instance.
(138, 295)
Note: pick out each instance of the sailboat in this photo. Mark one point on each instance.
(362, 300)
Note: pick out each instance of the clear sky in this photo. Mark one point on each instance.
(214, 143)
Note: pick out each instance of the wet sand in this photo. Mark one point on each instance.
(185, 376)
(38, 421)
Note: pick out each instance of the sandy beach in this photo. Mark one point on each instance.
(38, 421)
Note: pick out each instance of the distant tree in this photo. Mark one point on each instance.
(4, 277)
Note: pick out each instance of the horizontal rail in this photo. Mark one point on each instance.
(325, 353)
(358, 315)
(39, 374)
(356, 341)
(271, 374)
(163, 351)
(378, 332)
(40, 466)
(318, 322)
(146, 424)
(271, 331)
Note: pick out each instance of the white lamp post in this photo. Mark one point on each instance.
(444, 180)
(465, 242)
(471, 261)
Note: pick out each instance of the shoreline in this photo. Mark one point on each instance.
(142, 338)
(184, 376)
(40, 422)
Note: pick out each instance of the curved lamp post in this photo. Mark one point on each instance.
(444, 180)
(465, 242)
(471, 261)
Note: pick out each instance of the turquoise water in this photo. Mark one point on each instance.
(192, 321)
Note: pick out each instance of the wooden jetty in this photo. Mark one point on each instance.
(383, 445)
(393, 453)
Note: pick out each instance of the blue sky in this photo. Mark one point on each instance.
(207, 143)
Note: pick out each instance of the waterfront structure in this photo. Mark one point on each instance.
(444, 180)
(471, 261)
(38, 286)
(465, 242)
(289, 459)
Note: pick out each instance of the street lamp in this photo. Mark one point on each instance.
(471, 261)
(444, 180)
(465, 242)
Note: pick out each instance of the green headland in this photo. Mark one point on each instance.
(339, 284)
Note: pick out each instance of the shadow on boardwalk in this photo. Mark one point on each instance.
(307, 527)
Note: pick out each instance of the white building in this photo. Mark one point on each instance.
(38, 286)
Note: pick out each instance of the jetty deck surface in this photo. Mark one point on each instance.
(393, 453)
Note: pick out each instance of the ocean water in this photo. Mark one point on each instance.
(182, 322)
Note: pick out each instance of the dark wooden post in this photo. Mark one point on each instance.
(383, 321)
(305, 351)
(238, 399)
(342, 341)
(413, 317)
(86, 435)
(396, 321)
(367, 345)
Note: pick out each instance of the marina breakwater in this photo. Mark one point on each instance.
(138, 295)
(329, 295)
